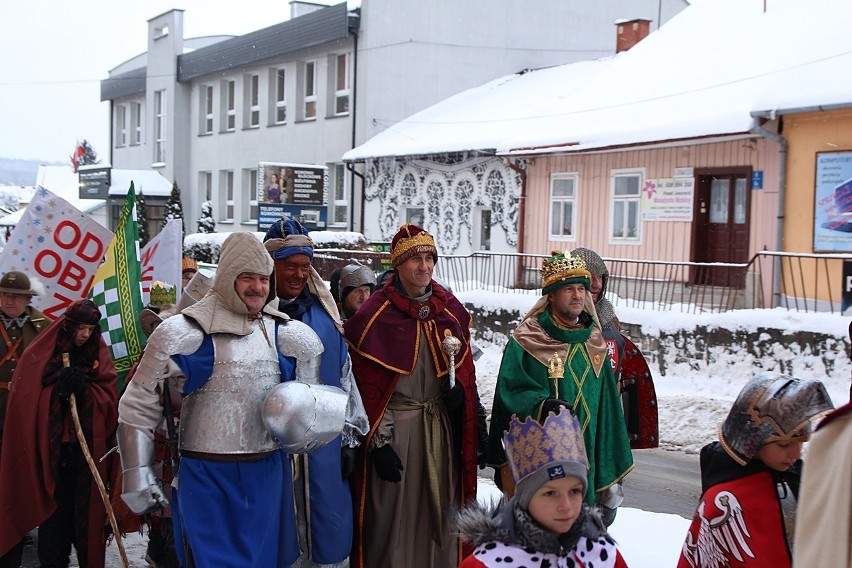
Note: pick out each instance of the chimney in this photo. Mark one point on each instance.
(630, 32)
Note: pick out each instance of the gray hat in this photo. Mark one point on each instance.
(14, 282)
(353, 276)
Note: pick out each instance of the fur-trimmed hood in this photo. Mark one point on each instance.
(478, 524)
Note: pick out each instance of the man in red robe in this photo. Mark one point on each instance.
(42, 461)
(420, 455)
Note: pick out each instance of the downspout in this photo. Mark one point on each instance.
(353, 23)
(519, 270)
(782, 184)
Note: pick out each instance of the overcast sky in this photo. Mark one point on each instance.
(54, 55)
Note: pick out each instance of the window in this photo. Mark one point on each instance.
(120, 126)
(250, 195)
(563, 196)
(226, 196)
(229, 106)
(136, 123)
(251, 96)
(341, 84)
(309, 111)
(625, 206)
(160, 127)
(206, 109)
(205, 185)
(415, 216)
(340, 195)
(279, 83)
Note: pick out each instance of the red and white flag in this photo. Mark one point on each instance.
(60, 246)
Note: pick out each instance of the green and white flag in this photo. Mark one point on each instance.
(117, 290)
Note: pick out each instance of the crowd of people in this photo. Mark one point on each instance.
(274, 422)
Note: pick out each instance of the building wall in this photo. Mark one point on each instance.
(661, 240)
(807, 134)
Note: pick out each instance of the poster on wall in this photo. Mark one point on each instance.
(668, 199)
(298, 191)
(833, 202)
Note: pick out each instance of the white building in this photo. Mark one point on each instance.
(206, 112)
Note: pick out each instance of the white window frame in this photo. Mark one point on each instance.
(558, 203)
(340, 84)
(160, 113)
(136, 123)
(251, 98)
(249, 209)
(120, 126)
(228, 105)
(226, 196)
(278, 95)
(309, 90)
(622, 203)
(205, 110)
(339, 202)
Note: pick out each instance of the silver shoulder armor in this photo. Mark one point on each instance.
(177, 335)
(298, 340)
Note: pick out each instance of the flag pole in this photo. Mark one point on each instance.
(94, 469)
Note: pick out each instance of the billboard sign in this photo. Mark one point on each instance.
(833, 202)
(299, 191)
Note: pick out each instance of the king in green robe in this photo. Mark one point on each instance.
(548, 358)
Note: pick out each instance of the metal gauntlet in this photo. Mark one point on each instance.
(140, 489)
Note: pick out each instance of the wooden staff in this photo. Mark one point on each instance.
(66, 362)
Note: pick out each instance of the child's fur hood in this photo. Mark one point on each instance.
(479, 523)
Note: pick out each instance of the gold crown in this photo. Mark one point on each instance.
(189, 264)
(407, 247)
(530, 445)
(560, 267)
(162, 294)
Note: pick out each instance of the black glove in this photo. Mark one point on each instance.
(554, 405)
(453, 397)
(387, 463)
(482, 435)
(72, 380)
(348, 456)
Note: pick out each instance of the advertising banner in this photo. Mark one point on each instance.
(299, 191)
(668, 199)
(833, 202)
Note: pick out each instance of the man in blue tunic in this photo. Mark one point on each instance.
(321, 479)
(235, 503)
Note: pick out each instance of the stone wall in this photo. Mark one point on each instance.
(706, 349)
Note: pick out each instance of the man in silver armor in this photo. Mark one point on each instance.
(235, 503)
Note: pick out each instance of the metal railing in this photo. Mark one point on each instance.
(800, 282)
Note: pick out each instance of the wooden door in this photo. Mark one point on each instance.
(721, 226)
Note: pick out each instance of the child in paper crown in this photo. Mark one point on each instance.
(750, 476)
(546, 523)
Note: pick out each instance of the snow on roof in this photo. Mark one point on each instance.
(702, 74)
(62, 181)
(148, 182)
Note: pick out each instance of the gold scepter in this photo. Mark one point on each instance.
(451, 345)
(66, 362)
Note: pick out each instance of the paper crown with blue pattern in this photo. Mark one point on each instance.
(555, 446)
